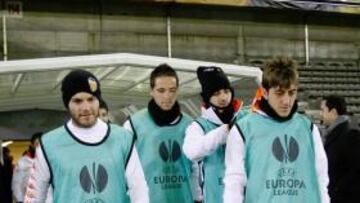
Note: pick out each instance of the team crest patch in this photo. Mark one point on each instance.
(92, 84)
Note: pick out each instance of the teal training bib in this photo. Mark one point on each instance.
(213, 168)
(214, 165)
(279, 160)
(167, 171)
(88, 173)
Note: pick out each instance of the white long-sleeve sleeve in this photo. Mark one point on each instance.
(196, 181)
(235, 174)
(321, 164)
(40, 179)
(21, 177)
(39, 189)
(17, 191)
(197, 144)
(138, 189)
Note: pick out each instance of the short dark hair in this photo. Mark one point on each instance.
(103, 105)
(281, 71)
(160, 71)
(36, 136)
(336, 102)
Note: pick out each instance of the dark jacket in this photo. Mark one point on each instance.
(342, 147)
(2, 185)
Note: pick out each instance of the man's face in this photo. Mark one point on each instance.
(84, 109)
(103, 115)
(36, 143)
(221, 98)
(165, 92)
(281, 99)
(328, 116)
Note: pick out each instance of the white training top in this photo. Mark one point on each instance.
(21, 177)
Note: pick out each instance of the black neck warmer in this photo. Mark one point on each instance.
(161, 117)
(226, 114)
(265, 106)
(31, 152)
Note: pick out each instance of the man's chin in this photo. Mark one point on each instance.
(166, 108)
(284, 114)
(86, 123)
(223, 106)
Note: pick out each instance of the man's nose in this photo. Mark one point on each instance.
(223, 96)
(286, 99)
(85, 105)
(167, 95)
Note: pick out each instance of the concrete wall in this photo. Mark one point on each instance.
(223, 34)
(213, 33)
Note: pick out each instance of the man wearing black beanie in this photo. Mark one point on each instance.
(206, 136)
(86, 160)
(78, 87)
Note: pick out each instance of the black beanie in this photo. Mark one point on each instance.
(79, 81)
(212, 79)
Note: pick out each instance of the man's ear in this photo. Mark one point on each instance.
(266, 93)
(334, 112)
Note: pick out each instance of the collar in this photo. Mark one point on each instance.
(93, 134)
(269, 111)
(208, 112)
(339, 120)
(74, 128)
(30, 153)
(163, 118)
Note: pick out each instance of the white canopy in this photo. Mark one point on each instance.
(35, 83)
